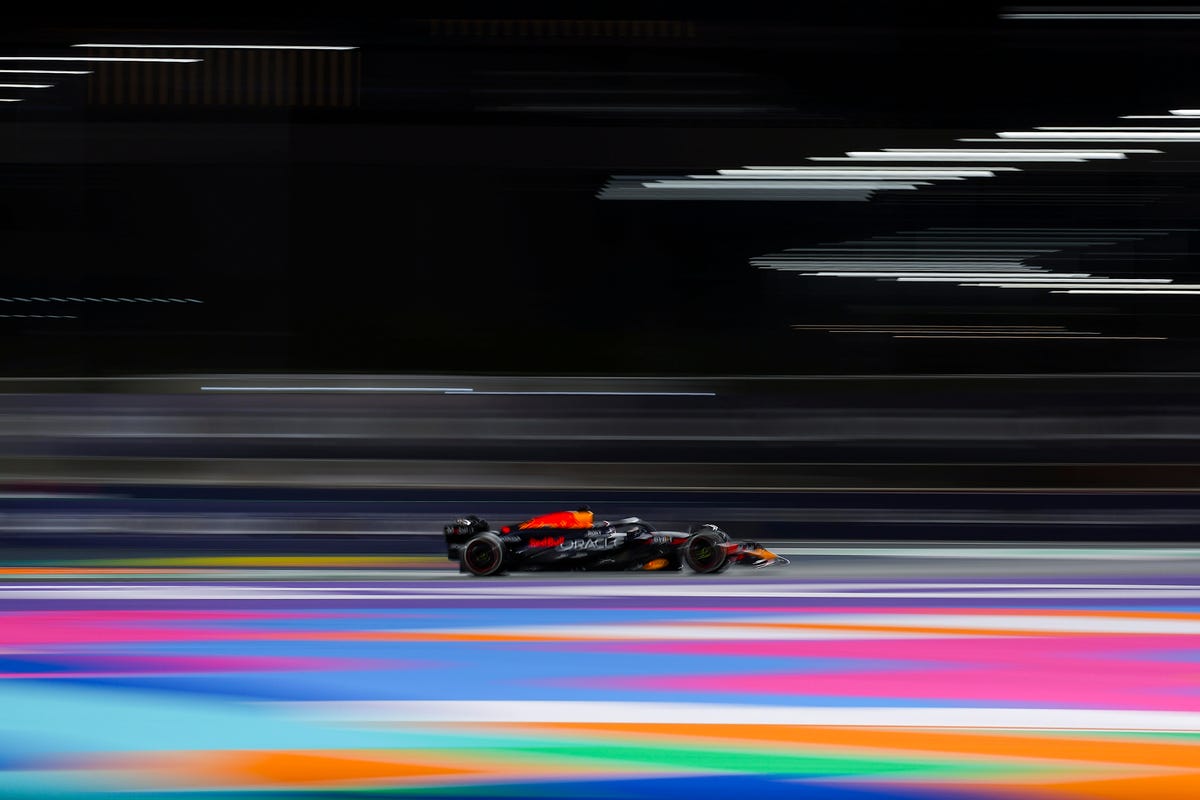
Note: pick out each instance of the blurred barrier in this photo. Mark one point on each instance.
(209, 459)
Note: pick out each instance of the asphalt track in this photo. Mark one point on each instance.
(859, 671)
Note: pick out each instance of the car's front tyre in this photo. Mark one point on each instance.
(705, 553)
(483, 555)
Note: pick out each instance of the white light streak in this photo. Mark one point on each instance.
(1098, 136)
(1016, 237)
(898, 325)
(849, 169)
(1011, 278)
(916, 264)
(1005, 141)
(589, 394)
(911, 275)
(935, 331)
(99, 300)
(1091, 283)
(749, 195)
(426, 389)
(782, 184)
(937, 245)
(1077, 153)
(882, 156)
(1124, 291)
(1118, 16)
(857, 174)
(222, 46)
(92, 58)
(26, 85)
(1114, 127)
(1023, 336)
(884, 259)
(47, 71)
(899, 269)
(918, 268)
(1185, 112)
(11, 100)
(853, 180)
(883, 248)
(961, 333)
(1054, 230)
(406, 712)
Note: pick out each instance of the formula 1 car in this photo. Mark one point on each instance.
(554, 543)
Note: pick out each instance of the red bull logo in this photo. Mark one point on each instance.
(548, 541)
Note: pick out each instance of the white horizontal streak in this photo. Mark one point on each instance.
(922, 275)
(855, 180)
(221, 46)
(1144, 15)
(865, 172)
(1099, 136)
(1125, 291)
(93, 58)
(947, 157)
(1107, 152)
(893, 270)
(581, 393)
(333, 389)
(1014, 336)
(1048, 150)
(763, 184)
(933, 326)
(995, 621)
(47, 71)
(706, 633)
(1060, 230)
(1053, 280)
(1114, 127)
(596, 711)
(1073, 284)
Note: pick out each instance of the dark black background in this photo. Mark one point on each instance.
(425, 229)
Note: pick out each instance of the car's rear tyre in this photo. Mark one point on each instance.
(483, 555)
(705, 553)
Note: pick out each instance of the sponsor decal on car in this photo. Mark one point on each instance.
(548, 541)
(607, 543)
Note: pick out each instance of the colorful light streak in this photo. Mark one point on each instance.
(578, 686)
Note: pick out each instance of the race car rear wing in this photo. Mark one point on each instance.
(460, 532)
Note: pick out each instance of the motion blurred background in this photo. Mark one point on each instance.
(287, 290)
(556, 210)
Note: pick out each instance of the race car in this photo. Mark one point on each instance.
(571, 540)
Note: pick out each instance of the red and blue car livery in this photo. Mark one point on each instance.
(570, 540)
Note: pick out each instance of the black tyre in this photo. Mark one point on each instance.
(704, 553)
(483, 555)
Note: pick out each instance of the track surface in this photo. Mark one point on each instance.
(857, 672)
